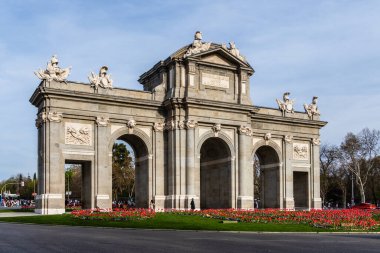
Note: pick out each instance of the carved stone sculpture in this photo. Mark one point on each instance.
(312, 109)
(131, 124)
(287, 104)
(197, 46)
(53, 72)
(245, 130)
(216, 128)
(234, 51)
(103, 80)
(267, 137)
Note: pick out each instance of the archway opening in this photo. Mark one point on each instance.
(78, 184)
(267, 178)
(130, 177)
(215, 174)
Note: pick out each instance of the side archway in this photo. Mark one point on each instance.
(141, 146)
(267, 165)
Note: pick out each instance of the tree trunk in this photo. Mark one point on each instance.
(362, 193)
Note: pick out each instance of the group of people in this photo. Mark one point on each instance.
(16, 202)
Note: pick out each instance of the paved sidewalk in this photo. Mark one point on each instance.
(16, 214)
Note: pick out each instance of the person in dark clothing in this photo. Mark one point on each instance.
(192, 204)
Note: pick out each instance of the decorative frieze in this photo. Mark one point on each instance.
(102, 121)
(78, 134)
(300, 151)
(245, 130)
(216, 128)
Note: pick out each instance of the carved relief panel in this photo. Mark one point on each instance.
(300, 151)
(78, 134)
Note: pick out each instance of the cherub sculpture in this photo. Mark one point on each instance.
(312, 109)
(287, 104)
(197, 46)
(102, 80)
(53, 72)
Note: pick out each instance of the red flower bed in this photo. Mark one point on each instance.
(113, 215)
(336, 219)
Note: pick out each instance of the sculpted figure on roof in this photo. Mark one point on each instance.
(53, 72)
(197, 46)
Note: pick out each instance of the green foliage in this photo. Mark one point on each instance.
(123, 171)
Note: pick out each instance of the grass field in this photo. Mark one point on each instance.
(170, 221)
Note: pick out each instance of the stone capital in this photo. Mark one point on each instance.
(55, 117)
(245, 130)
(191, 124)
(288, 138)
(158, 126)
(41, 119)
(102, 121)
(316, 141)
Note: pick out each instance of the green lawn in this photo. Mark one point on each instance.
(168, 221)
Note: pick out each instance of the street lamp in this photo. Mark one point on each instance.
(352, 190)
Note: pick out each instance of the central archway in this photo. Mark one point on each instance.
(215, 174)
(141, 166)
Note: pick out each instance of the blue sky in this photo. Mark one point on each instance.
(325, 48)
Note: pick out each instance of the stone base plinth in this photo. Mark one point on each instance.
(288, 203)
(316, 203)
(50, 203)
(245, 202)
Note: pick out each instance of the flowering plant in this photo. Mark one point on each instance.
(116, 214)
(336, 219)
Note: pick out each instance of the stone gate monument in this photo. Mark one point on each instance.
(194, 131)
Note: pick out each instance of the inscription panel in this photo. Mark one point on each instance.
(215, 80)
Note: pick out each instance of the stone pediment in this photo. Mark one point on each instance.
(217, 54)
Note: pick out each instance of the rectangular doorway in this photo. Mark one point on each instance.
(301, 190)
(78, 184)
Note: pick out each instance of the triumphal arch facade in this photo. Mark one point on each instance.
(194, 130)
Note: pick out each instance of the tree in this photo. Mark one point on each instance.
(329, 161)
(123, 171)
(359, 152)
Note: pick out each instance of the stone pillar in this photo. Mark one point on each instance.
(159, 197)
(190, 163)
(245, 197)
(103, 165)
(316, 201)
(287, 166)
(51, 195)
